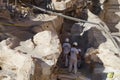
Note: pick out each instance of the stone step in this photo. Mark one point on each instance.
(71, 76)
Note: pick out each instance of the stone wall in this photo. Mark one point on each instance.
(110, 14)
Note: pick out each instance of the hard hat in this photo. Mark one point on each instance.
(75, 43)
(67, 40)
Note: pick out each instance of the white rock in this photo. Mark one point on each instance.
(43, 38)
(47, 49)
(15, 62)
(108, 57)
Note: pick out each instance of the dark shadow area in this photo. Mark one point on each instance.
(95, 7)
(0, 68)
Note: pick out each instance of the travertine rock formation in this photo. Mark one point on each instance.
(76, 29)
(111, 14)
(63, 4)
(107, 52)
(18, 63)
(46, 49)
(30, 47)
(48, 22)
(14, 64)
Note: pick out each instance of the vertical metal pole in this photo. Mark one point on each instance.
(7, 2)
(15, 2)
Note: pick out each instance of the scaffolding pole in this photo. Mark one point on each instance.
(15, 2)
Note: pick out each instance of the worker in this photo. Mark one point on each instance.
(66, 50)
(73, 58)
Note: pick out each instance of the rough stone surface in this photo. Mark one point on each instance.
(111, 14)
(15, 64)
(108, 53)
(46, 49)
(15, 56)
(76, 29)
(96, 19)
(95, 37)
(63, 5)
(48, 22)
(108, 57)
(32, 46)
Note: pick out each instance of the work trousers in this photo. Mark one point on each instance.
(73, 63)
(66, 60)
